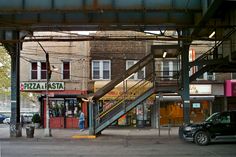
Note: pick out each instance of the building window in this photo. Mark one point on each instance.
(166, 70)
(169, 69)
(101, 69)
(136, 76)
(34, 70)
(233, 75)
(43, 70)
(38, 70)
(66, 70)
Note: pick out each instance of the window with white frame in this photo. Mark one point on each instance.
(233, 75)
(169, 69)
(65, 70)
(101, 69)
(38, 70)
(136, 76)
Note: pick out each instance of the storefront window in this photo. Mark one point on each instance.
(57, 108)
(71, 108)
(61, 108)
(143, 115)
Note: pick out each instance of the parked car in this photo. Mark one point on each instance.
(218, 127)
(25, 118)
(7, 120)
(2, 117)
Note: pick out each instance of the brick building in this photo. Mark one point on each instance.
(80, 64)
(69, 63)
(110, 59)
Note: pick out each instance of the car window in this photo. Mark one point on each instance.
(233, 117)
(224, 118)
(213, 117)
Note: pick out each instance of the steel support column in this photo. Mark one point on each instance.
(91, 118)
(154, 114)
(15, 126)
(185, 78)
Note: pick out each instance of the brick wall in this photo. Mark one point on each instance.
(75, 52)
(119, 51)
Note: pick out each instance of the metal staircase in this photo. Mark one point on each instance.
(111, 85)
(214, 60)
(107, 117)
(129, 98)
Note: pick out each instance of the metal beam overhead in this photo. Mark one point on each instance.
(209, 9)
(98, 5)
(100, 14)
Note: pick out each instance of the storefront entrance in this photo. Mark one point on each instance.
(138, 117)
(171, 109)
(64, 112)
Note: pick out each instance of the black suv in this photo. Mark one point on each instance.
(218, 127)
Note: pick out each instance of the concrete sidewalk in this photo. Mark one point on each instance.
(76, 133)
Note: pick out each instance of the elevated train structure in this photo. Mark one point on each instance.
(192, 19)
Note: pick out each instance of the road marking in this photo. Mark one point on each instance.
(83, 137)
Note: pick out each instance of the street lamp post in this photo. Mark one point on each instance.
(47, 130)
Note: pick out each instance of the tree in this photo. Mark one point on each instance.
(5, 70)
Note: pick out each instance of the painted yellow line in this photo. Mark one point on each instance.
(84, 136)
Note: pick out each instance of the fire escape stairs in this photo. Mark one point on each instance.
(111, 85)
(127, 100)
(218, 64)
(213, 61)
(106, 118)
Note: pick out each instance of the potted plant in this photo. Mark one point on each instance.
(36, 119)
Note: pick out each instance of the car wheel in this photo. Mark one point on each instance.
(202, 138)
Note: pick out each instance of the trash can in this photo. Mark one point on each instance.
(30, 131)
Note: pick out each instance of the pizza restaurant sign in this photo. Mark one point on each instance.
(41, 86)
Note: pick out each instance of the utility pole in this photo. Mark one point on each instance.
(47, 131)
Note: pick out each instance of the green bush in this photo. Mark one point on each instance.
(36, 118)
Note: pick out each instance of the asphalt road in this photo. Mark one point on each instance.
(112, 146)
